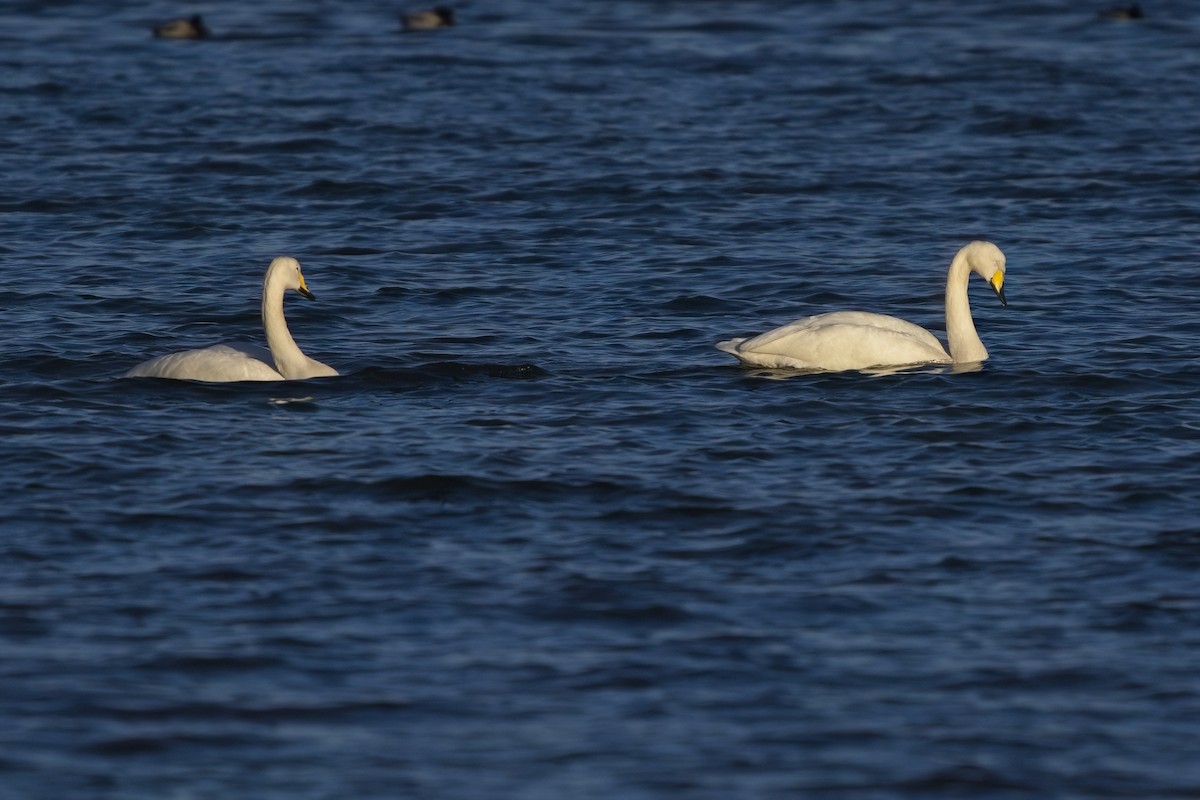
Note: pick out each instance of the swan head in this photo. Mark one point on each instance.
(285, 271)
(985, 259)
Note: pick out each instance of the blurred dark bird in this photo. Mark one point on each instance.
(1132, 11)
(428, 19)
(191, 28)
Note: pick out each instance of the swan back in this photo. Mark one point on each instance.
(218, 364)
(838, 341)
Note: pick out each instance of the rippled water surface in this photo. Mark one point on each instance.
(540, 539)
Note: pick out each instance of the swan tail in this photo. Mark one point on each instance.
(730, 346)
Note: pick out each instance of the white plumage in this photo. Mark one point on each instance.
(283, 360)
(844, 340)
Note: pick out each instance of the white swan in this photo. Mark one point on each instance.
(859, 340)
(283, 361)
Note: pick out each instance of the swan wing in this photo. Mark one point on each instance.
(839, 341)
(218, 364)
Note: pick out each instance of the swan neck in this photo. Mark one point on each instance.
(965, 345)
(289, 360)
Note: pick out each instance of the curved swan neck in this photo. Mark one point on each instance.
(290, 362)
(964, 342)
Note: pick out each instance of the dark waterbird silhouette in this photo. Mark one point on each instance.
(1131, 11)
(428, 19)
(184, 28)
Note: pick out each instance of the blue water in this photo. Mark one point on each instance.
(541, 540)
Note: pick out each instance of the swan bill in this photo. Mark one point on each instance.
(303, 290)
(997, 283)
